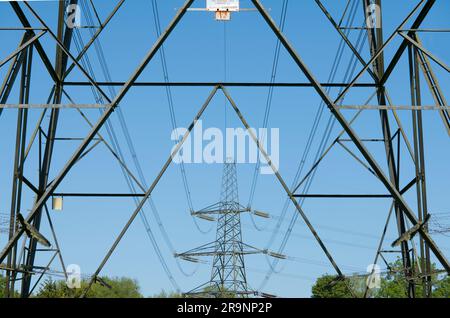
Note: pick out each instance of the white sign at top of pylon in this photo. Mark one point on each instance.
(222, 5)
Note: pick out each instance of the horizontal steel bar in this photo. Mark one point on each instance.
(344, 196)
(214, 253)
(220, 211)
(212, 84)
(21, 29)
(367, 107)
(364, 140)
(41, 106)
(425, 30)
(105, 195)
(395, 107)
(71, 139)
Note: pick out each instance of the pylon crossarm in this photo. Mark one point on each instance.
(216, 253)
(218, 208)
(209, 207)
(206, 247)
(210, 249)
(221, 211)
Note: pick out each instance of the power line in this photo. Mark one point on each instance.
(311, 137)
(117, 148)
(269, 100)
(162, 53)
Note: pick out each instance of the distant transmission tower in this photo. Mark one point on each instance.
(228, 276)
(228, 265)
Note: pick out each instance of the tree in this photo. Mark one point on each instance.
(53, 289)
(113, 288)
(442, 289)
(3, 286)
(219, 292)
(329, 286)
(164, 294)
(119, 288)
(392, 285)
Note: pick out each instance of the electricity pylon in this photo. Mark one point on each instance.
(35, 175)
(228, 276)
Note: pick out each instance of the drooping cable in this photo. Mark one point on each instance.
(314, 129)
(323, 143)
(269, 99)
(157, 23)
(350, 70)
(115, 143)
(129, 182)
(132, 150)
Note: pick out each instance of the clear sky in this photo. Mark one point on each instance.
(87, 227)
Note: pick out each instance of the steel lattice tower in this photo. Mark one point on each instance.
(400, 168)
(228, 270)
(228, 276)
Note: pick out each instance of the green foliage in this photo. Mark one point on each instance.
(164, 294)
(329, 286)
(2, 286)
(219, 292)
(52, 289)
(392, 285)
(119, 288)
(442, 289)
(207, 292)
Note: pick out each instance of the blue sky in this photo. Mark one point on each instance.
(195, 52)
